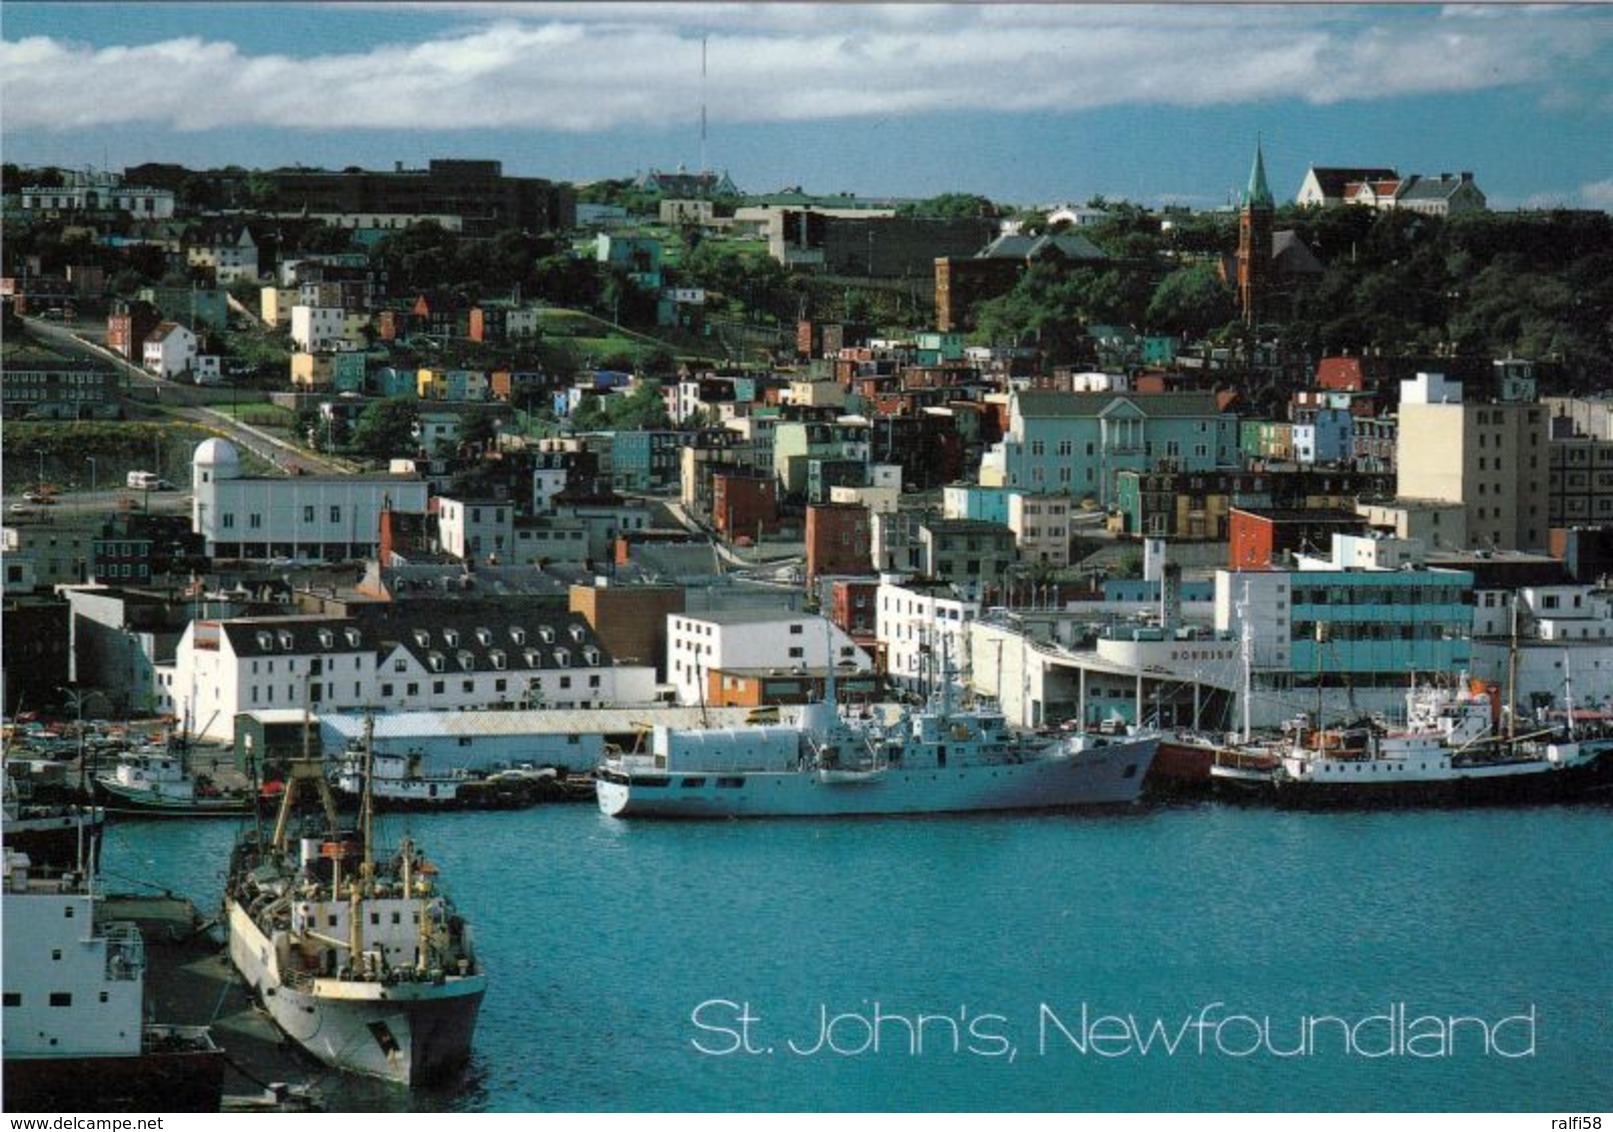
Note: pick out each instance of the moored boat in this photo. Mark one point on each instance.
(938, 760)
(356, 953)
(156, 783)
(1450, 752)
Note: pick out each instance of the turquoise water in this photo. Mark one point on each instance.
(625, 959)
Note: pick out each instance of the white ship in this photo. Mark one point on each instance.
(75, 1033)
(356, 954)
(939, 760)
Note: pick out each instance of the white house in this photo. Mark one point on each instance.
(320, 518)
(169, 350)
(920, 625)
(318, 328)
(756, 639)
(1041, 526)
(475, 528)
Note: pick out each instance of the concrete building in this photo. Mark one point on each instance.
(753, 640)
(973, 556)
(318, 328)
(1492, 458)
(919, 623)
(300, 518)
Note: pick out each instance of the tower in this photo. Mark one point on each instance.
(1254, 241)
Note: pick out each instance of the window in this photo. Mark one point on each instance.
(308, 513)
(61, 998)
(412, 689)
(254, 521)
(469, 685)
(13, 998)
(797, 653)
(335, 513)
(436, 687)
(386, 689)
(228, 520)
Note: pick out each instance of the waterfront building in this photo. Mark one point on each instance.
(753, 639)
(918, 621)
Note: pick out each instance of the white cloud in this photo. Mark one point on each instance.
(589, 67)
(1598, 194)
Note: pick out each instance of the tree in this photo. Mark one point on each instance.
(479, 426)
(387, 429)
(1190, 301)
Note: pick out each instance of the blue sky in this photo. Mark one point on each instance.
(1029, 105)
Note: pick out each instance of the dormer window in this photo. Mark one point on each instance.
(436, 661)
(286, 640)
(533, 660)
(590, 656)
(546, 635)
(485, 636)
(265, 639)
(352, 638)
(518, 634)
(576, 632)
(562, 658)
(451, 637)
(497, 659)
(467, 662)
(422, 637)
(327, 639)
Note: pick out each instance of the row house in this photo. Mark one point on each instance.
(796, 443)
(128, 326)
(318, 328)
(1197, 506)
(494, 322)
(226, 253)
(340, 371)
(475, 529)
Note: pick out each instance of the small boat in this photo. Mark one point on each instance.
(76, 1036)
(156, 783)
(400, 783)
(357, 953)
(51, 833)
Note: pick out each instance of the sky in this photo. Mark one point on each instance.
(1025, 104)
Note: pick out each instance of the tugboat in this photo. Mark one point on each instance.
(75, 1035)
(357, 954)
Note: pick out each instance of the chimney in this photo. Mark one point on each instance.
(1467, 177)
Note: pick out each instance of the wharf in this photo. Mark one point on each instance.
(189, 980)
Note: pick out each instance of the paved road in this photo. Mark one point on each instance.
(187, 401)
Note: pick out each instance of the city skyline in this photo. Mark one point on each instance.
(1027, 105)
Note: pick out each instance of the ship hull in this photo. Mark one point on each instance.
(144, 803)
(189, 1081)
(409, 1032)
(1498, 784)
(1104, 776)
(61, 839)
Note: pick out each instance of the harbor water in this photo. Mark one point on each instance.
(1192, 957)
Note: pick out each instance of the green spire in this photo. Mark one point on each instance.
(1258, 195)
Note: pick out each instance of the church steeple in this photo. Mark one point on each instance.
(1258, 194)
(1255, 241)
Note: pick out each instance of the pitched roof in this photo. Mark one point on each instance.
(1069, 245)
(269, 636)
(1332, 179)
(1258, 193)
(1443, 187)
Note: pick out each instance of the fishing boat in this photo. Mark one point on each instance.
(1451, 751)
(400, 782)
(155, 782)
(356, 953)
(75, 1035)
(941, 759)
